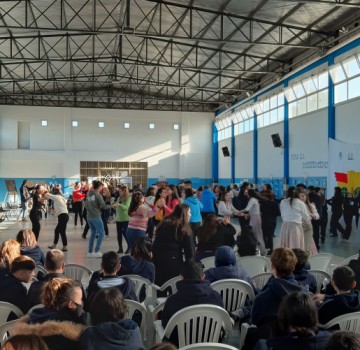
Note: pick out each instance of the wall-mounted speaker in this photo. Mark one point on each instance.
(276, 140)
(226, 152)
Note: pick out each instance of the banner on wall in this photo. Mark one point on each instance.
(344, 167)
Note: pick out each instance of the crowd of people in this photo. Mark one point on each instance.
(163, 233)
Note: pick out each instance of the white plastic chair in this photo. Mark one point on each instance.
(38, 306)
(171, 283)
(254, 265)
(6, 331)
(204, 346)
(208, 262)
(233, 292)
(320, 277)
(261, 279)
(320, 262)
(139, 282)
(132, 307)
(76, 271)
(40, 268)
(348, 322)
(6, 309)
(347, 260)
(243, 333)
(196, 324)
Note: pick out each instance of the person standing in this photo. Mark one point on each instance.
(78, 204)
(349, 209)
(94, 204)
(24, 197)
(208, 200)
(61, 211)
(316, 223)
(35, 212)
(336, 202)
(195, 209)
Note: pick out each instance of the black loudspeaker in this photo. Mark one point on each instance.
(276, 140)
(226, 152)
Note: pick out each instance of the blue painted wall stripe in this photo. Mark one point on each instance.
(215, 155)
(233, 155)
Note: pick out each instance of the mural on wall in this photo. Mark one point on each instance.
(344, 166)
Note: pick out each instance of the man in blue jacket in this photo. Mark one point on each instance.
(208, 200)
(193, 289)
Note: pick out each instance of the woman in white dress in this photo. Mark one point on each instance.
(309, 243)
(225, 206)
(294, 214)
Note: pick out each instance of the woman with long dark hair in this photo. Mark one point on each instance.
(213, 234)
(173, 240)
(138, 217)
(336, 202)
(37, 207)
(161, 195)
(294, 214)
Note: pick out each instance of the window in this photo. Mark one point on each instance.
(126, 125)
(75, 123)
(176, 126)
(101, 124)
(270, 110)
(151, 126)
(44, 123)
(310, 94)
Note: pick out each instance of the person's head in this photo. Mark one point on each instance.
(252, 193)
(108, 305)
(9, 250)
(301, 257)
(25, 342)
(188, 184)
(124, 192)
(337, 192)
(62, 294)
(292, 193)
(225, 256)
(343, 279)
(26, 238)
(283, 261)
(39, 189)
(298, 313)
(142, 249)
(268, 187)
(150, 192)
(245, 185)
(24, 183)
(192, 270)
(343, 340)
(301, 187)
(311, 188)
(97, 185)
(77, 185)
(23, 268)
(110, 263)
(226, 196)
(137, 199)
(55, 261)
(161, 193)
(189, 192)
(172, 192)
(182, 213)
(208, 228)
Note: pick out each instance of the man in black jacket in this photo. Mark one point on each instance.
(54, 264)
(317, 200)
(193, 289)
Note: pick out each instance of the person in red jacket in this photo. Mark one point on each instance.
(78, 203)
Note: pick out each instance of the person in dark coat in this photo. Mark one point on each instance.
(107, 278)
(301, 272)
(173, 244)
(11, 288)
(336, 202)
(269, 212)
(225, 267)
(349, 209)
(139, 263)
(213, 234)
(298, 320)
(318, 202)
(54, 264)
(109, 328)
(193, 289)
(346, 300)
(29, 246)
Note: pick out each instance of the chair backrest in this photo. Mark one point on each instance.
(76, 271)
(261, 279)
(6, 309)
(208, 262)
(139, 282)
(347, 260)
(171, 283)
(204, 346)
(40, 268)
(254, 265)
(348, 322)
(135, 306)
(233, 292)
(199, 324)
(6, 331)
(38, 306)
(320, 262)
(321, 279)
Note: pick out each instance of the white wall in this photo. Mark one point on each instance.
(244, 149)
(308, 145)
(270, 158)
(347, 122)
(224, 162)
(58, 148)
